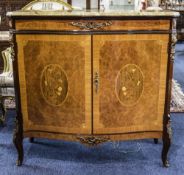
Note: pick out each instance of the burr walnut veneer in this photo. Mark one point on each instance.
(93, 78)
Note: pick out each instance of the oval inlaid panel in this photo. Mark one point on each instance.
(54, 84)
(129, 84)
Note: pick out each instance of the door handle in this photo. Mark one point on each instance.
(96, 81)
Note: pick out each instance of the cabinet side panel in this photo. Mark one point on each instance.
(55, 82)
(132, 78)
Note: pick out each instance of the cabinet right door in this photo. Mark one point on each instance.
(129, 73)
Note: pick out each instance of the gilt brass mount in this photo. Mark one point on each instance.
(93, 140)
(91, 25)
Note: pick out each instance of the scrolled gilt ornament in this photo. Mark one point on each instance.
(174, 22)
(93, 140)
(169, 129)
(174, 38)
(91, 25)
(173, 43)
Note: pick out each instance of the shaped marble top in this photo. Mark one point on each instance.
(93, 13)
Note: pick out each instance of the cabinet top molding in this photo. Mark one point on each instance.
(80, 13)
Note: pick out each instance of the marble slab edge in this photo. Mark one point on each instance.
(94, 14)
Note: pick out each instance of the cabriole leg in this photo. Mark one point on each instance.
(18, 141)
(166, 142)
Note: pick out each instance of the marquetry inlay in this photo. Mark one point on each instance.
(54, 84)
(129, 84)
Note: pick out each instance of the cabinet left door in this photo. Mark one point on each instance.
(55, 82)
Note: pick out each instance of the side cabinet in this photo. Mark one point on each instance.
(131, 72)
(93, 79)
(55, 83)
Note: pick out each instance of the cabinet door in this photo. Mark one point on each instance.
(55, 82)
(129, 82)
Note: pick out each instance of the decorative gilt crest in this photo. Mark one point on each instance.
(93, 140)
(91, 25)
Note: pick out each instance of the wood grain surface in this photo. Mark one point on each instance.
(50, 66)
(65, 25)
(111, 54)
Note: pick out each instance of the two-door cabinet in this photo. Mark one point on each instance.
(93, 76)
